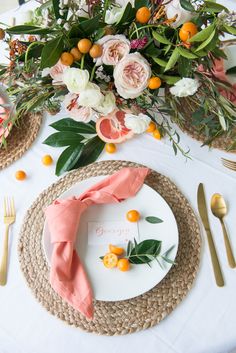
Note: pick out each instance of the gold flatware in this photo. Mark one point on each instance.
(219, 210)
(9, 218)
(202, 208)
(229, 164)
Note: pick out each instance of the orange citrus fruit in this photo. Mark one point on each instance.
(76, 54)
(84, 45)
(151, 127)
(110, 260)
(95, 51)
(154, 82)
(20, 175)
(47, 160)
(2, 34)
(157, 134)
(67, 59)
(116, 250)
(133, 216)
(188, 30)
(123, 265)
(143, 15)
(110, 148)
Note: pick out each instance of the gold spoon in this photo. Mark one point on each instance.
(219, 210)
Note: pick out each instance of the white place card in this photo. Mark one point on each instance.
(116, 232)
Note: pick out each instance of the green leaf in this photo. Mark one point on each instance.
(25, 29)
(232, 70)
(186, 53)
(203, 34)
(214, 7)
(172, 60)
(141, 3)
(128, 15)
(129, 248)
(68, 159)
(52, 52)
(90, 26)
(69, 124)
(231, 30)
(91, 151)
(160, 38)
(145, 252)
(153, 220)
(184, 67)
(207, 41)
(34, 52)
(160, 62)
(170, 80)
(186, 4)
(65, 138)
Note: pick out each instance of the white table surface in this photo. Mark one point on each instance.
(205, 321)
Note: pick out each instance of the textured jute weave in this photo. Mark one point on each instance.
(20, 139)
(121, 317)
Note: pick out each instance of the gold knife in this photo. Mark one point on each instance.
(202, 208)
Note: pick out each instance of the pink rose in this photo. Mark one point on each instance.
(131, 75)
(78, 113)
(4, 115)
(114, 49)
(56, 72)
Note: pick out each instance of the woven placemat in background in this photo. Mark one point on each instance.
(20, 139)
(121, 317)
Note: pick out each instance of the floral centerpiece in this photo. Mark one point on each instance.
(120, 68)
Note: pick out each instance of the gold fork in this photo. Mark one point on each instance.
(229, 164)
(9, 218)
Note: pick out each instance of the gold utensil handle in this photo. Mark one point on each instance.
(3, 266)
(215, 261)
(229, 251)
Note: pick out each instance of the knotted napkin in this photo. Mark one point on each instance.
(67, 275)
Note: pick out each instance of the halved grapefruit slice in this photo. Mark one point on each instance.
(111, 128)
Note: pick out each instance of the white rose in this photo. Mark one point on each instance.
(75, 79)
(174, 8)
(108, 104)
(137, 123)
(185, 87)
(114, 48)
(91, 96)
(113, 15)
(131, 75)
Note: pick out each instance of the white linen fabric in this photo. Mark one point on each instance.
(206, 319)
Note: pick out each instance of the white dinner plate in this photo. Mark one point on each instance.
(112, 284)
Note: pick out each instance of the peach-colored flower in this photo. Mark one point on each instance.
(131, 75)
(56, 72)
(114, 49)
(78, 113)
(4, 115)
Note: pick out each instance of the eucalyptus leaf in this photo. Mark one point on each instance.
(68, 159)
(203, 34)
(65, 138)
(186, 53)
(207, 41)
(153, 220)
(69, 124)
(160, 38)
(145, 251)
(27, 29)
(51, 52)
(186, 4)
(172, 60)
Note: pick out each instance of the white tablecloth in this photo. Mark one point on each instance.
(205, 322)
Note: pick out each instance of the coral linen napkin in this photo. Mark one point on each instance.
(67, 275)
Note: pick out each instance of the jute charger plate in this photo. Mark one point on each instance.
(20, 139)
(122, 317)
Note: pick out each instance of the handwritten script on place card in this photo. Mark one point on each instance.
(116, 232)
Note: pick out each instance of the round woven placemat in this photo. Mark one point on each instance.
(121, 317)
(20, 139)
